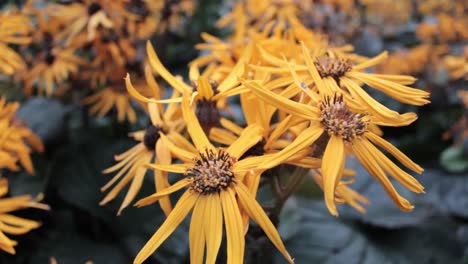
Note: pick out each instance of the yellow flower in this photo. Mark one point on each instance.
(216, 194)
(329, 74)
(457, 66)
(86, 15)
(14, 29)
(447, 29)
(150, 147)
(172, 13)
(114, 95)
(16, 140)
(347, 129)
(208, 97)
(13, 225)
(142, 20)
(50, 69)
(343, 193)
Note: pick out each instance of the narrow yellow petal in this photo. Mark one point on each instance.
(301, 110)
(136, 184)
(305, 139)
(177, 168)
(152, 83)
(400, 156)
(233, 78)
(165, 74)
(204, 88)
(248, 138)
(233, 127)
(234, 229)
(312, 69)
(369, 63)
(179, 152)
(161, 177)
(374, 170)
(182, 208)
(194, 73)
(391, 117)
(133, 92)
(155, 197)
(197, 230)
(222, 136)
(255, 211)
(332, 166)
(213, 216)
(154, 114)
(398, 174)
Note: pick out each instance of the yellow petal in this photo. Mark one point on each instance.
(133, 92)
(197, 230)
(194, 73)
(222, 136)
(165, 74)
(152, 83)
(312, 70)
(234, 229)
(179, 152)
(155, 115)
(398, 174)
(248, 138)
(390, 117)
(305, 139)
(400, 156)
(177, 168)
(155, 197)
(204, 88)
(136, 184)
(301, 110)
(213, 217)
(375, 171)
(369, 63)
(332, 168)
(255, 211)
(233, 78)
(161, 177)
(182, 208)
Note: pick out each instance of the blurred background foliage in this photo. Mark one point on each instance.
(79, 147)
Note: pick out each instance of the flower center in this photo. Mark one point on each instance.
(151, 136)
(332, 67)
(212, 172)
(138, 7)
(339, 121)
(49, 58)
(94, 8)
(208, 114)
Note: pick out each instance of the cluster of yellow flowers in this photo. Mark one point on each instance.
(304, 105)
(84, 45)
(16, 144)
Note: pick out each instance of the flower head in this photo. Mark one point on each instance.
(16, 140)
(14, 225)
(215, 194)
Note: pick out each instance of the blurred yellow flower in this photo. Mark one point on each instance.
(16, 140)
(14, 29)
(13, 225)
